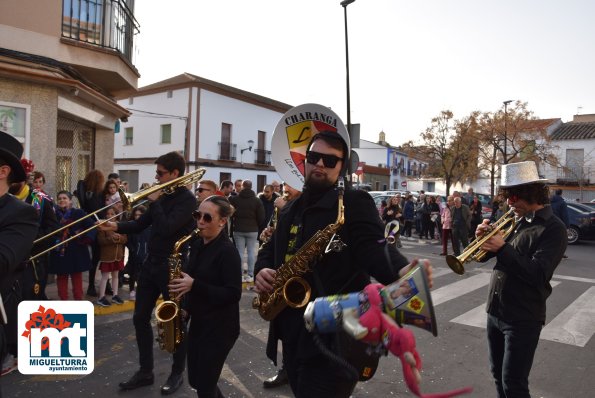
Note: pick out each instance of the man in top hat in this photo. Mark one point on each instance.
(520, 282)
(18, 226)
(312, 374)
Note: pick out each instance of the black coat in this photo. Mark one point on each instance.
(170, 218)
(18, 228)
(520, 282)
(213, 304)
(347, 271)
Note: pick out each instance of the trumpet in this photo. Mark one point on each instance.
(474, 252)
(127, 200)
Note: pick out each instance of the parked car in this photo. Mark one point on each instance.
(582, 222)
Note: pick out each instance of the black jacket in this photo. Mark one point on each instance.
(249, 214)
(170, 218)
(520, 281)
(217, 271)
(18, 228)
(343, 272)
(560, 209)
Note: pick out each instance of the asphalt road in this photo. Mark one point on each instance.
(564, 365)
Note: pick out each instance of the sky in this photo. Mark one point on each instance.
(408, 60)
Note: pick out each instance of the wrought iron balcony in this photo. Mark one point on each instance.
(227, 151)
(262, 156)
(104, 23)
(573, 175)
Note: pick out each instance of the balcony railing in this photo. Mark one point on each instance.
(104, 23)
(262, 156)
(227, 151)
(573, 175)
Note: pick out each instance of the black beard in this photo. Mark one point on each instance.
(316, 185)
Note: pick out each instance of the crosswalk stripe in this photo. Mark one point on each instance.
(477, 316)
(456, 289)
(576, 324)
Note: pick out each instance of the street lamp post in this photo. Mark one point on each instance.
(344, 4)
(505, 129)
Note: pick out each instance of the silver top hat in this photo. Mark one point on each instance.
(520, 173)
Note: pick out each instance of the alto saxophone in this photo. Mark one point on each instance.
(169, 323)
(289, 288)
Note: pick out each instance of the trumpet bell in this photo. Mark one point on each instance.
(455, 264)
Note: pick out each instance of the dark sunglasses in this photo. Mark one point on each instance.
(161, 173)
(329, 161)
(201, 190)
(205, 216)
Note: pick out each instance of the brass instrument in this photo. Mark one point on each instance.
(127, 201)
(289, 288)
(473, 251)
(391, 230)
(169, 324)
(273, 221)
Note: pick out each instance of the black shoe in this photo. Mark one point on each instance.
(174, 381)
(139, 379)
(278, 380)
(92, 292)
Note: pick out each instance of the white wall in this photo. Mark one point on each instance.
(551, 173)
(245, 119)
(146, 127)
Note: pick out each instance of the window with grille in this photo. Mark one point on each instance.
(128, 136)
(74, 153)
(166, 133)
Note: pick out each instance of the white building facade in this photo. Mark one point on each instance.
(223, 129)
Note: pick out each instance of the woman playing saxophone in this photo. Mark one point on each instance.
(213, 286)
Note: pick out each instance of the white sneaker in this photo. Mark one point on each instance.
(132, 295)
(249, 279)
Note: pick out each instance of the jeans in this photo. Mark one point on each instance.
(247, 240)
(511, 350)
(153, 282)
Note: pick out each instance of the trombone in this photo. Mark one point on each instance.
(473, 251)
(128, 201)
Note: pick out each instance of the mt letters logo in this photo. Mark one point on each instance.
(56, 337)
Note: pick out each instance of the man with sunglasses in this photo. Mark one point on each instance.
(312, 374)
(205, 189)
(520, 284)
(170, 218)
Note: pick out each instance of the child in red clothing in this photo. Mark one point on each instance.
(111, 260)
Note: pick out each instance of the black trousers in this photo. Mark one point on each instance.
(315, 377)
(152, 282)
(512, 348)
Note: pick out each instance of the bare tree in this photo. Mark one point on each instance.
(447, 147)
(516, 135)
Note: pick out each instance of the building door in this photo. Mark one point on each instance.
(74, 153)
(131, 176)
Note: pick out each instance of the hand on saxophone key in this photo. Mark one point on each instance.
(180, 286)
(264, 280)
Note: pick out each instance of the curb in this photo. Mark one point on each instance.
(129, 305)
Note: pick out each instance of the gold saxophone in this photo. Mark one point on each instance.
(169, 324)
(289, 288)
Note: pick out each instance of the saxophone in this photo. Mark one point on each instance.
(169, 323)
(289, 288)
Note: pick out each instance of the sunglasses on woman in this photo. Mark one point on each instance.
(329, 161)
(206, 217)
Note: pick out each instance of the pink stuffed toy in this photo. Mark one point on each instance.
(380, 328)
